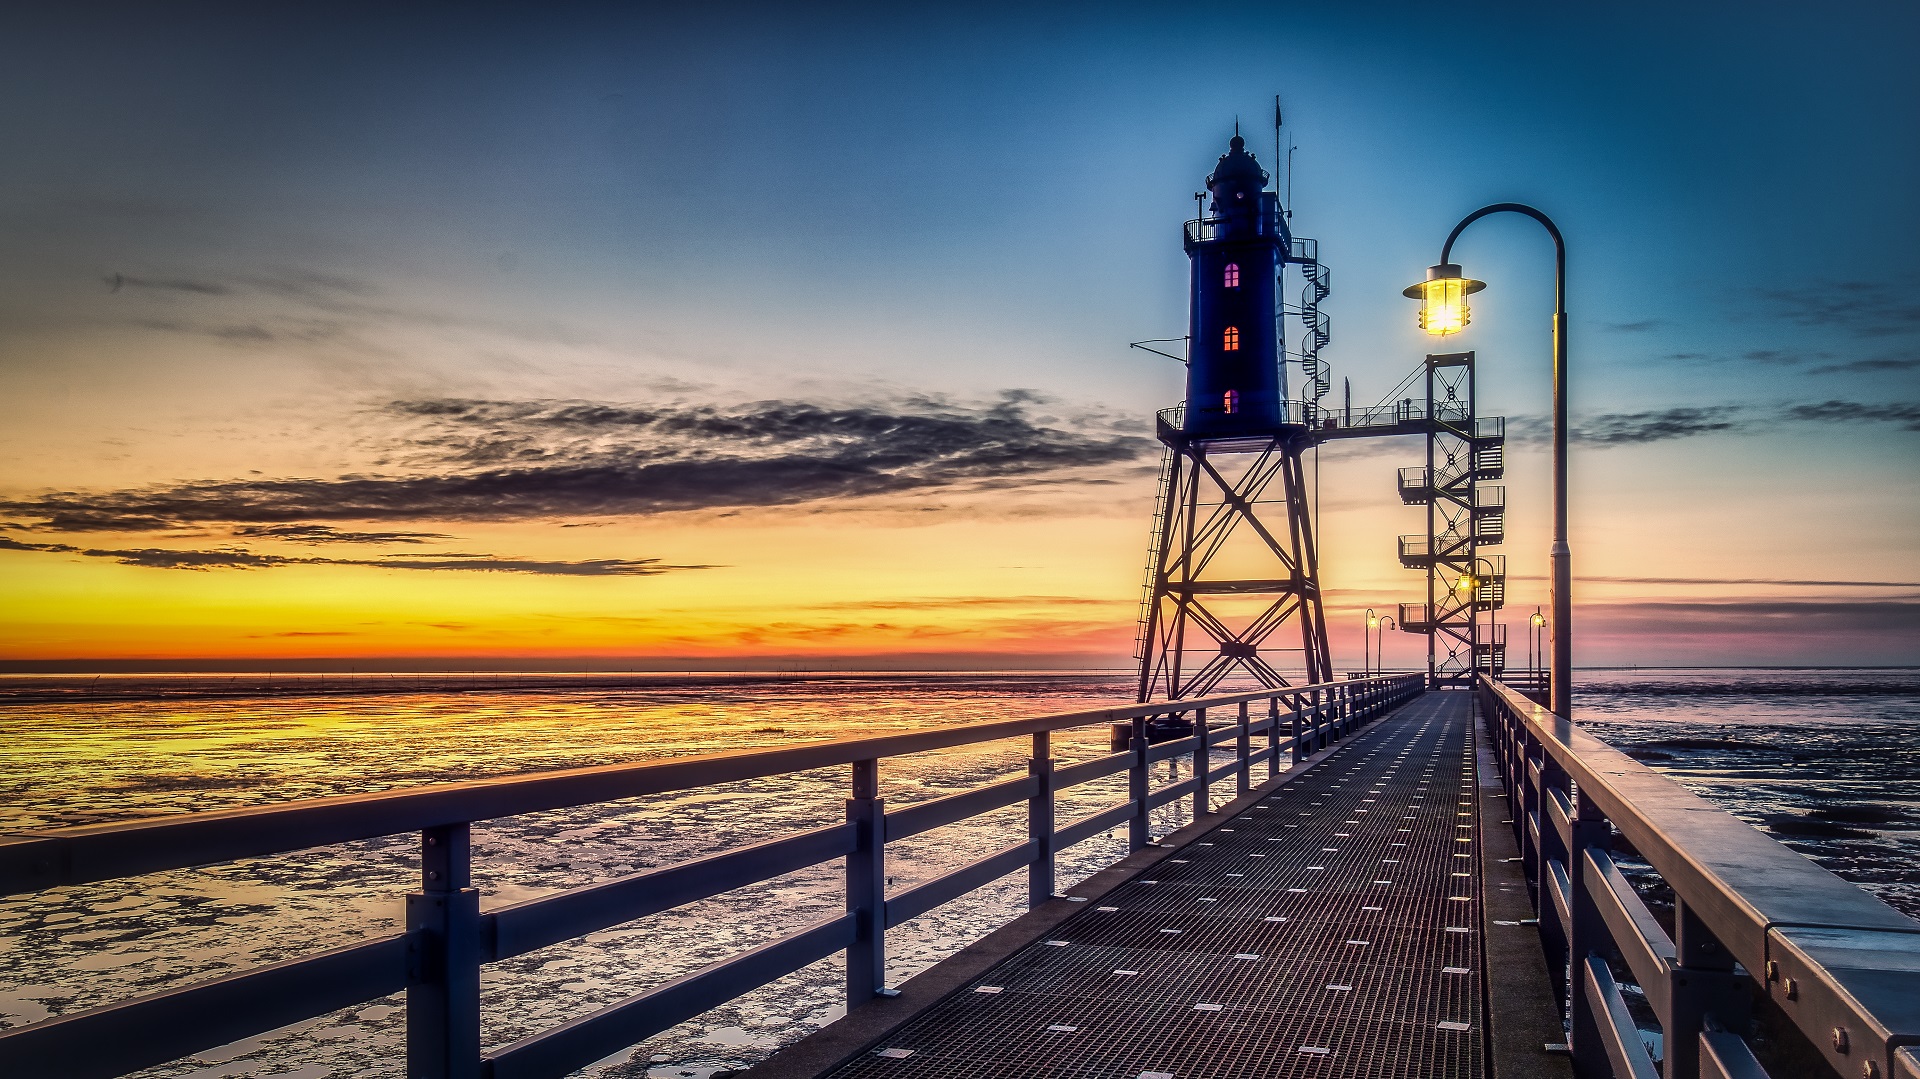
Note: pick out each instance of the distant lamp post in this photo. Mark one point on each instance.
(1443, 311)
(1534, 622)
(1366, 644)
(1443, 299)
(1387, 622)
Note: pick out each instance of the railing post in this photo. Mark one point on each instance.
(1587, 933)
(1200, 755)
(1532, 822)
(443, 977)
(867, 886)
(1040, 820)
(1703, 986)
(1273, 738)
(1555, 936)
(1298, 719)
(1244, 748)
(1139, 831)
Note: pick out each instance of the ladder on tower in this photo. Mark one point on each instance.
(1155, 544)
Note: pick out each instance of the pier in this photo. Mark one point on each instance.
(1378, 880)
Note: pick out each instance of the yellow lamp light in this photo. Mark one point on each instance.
(1538, 619)
(1466, 584)
(1443, 299)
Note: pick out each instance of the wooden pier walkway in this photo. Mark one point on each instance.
(1332, 929)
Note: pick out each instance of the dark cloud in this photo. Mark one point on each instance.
(324, 534)
(542, 460)
(1906, 414)
(1636, 327)
(235, 558)
(1864, 308)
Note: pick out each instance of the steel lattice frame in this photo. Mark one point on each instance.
(1459, 641)
(1186, 648)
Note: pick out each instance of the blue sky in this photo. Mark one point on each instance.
(309, 212)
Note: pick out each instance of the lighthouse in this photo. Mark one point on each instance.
(1235, 383)
(1232, 571)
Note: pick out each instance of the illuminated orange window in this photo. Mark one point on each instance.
(1232, 401)
(1231, 278)
(1230, 341)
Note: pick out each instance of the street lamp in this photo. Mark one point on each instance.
(1387, 621)
(1366, 644)
(1443, 299)
(1443, 311)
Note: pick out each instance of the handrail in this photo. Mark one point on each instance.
(1751, 916)
(437, 959)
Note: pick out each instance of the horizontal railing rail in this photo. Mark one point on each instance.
(1751, 917)
(448, 938)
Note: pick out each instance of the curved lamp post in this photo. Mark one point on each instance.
(1387, 622)
(1366, 644)
(1443, 311)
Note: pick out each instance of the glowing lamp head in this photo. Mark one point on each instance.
(1443, 299)
(1538, 619)
(1465, 584)
(1372, 622)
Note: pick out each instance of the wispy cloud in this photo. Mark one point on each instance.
(1731, 580)
(1636, 327)
(236, 558)
(1887, 363)
(1628, 428)
(1758, 616)
(1906, 414)
(543, 460)
(117, 282)
(1660, 425)
(1863, 308)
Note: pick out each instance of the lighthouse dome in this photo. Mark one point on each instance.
(1238, 179)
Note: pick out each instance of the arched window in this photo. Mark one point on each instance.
(1231, 401)
(1231, 277)
(1230, 340)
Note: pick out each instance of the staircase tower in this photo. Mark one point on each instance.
(1465, 585)
(1232, 560)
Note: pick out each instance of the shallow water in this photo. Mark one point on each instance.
(1824, 759)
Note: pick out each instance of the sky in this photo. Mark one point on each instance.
(734, 336)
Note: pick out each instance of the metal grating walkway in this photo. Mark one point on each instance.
(1331, 930)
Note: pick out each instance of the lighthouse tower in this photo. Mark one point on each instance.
(1232, 560)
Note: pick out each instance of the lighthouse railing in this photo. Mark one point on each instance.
(448, 939)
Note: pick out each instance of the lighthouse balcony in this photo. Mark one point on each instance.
(1250, 225)
(1170, 425)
